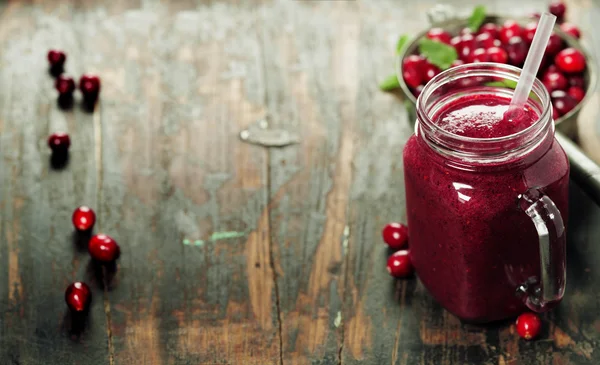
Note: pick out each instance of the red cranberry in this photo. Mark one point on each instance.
(489, 28)
(466, 48)
(570, 60)
(399, 264)
(56, 58)
(562, 102)
(103, 248)
(89, 85)
(466, 30)
(485, 40)
(395, 235)
(411, 77)
(479, 55)
(558, 8)
(64, 85)
(78, 296)
(429, 72)
(418, 90)
(576, 93)
(529, 32)
(555, 44)
(456, 42)
(83, 218)
(59, 142)
(509, 30)
(529, 326)
(457, 62)
(554, 113)
(554, 81)
(497, 54)
(571, 29)
(577, 81)
(517, 51)
(440, 35)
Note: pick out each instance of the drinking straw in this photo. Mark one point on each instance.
(532, 62)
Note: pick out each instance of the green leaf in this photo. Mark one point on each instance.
(438, 53)
(477, 18)
(390, 83)
(402, 42)
(505, 83)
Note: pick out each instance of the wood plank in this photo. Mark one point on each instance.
(39, 255)
(175, 177)
(307, 59)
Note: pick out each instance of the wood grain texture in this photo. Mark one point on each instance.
(233, 253)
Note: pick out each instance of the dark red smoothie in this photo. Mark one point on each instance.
(470, 243)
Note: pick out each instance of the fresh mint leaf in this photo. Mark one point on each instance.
(390, 83)
(477, 18)
(438, 53)
(402, 41)
(510, 84)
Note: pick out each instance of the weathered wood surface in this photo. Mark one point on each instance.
(233, 253)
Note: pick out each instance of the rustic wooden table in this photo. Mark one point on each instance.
(233, 253)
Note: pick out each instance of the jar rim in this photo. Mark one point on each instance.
(470, 70)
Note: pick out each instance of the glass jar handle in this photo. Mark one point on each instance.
(544, 294)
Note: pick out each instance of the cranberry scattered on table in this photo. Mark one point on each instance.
(529, 325)
(395, 235)
(59, 142)
(78, 296)
(83, 218)
(104, 248)
(399, 264)
(65, 85)
(89, 85)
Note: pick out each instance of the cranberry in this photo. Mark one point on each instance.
(56, 58)
(89, 85)
(457, 62)
(577, 81)
(486, 41)
(395, 235)
(479, 55)
(562, 102)
(59, 142)
(517, 51)
(78, 296)
(554, 81)
(456, 42)
(440, 35)
(529, 326)
(399, 264)
(571, 29)
(529, 32)
(466, 30)
(554, 113)
(558, 8)
(509, 30)
(83, 218)
(466, 48)
(64, 85)
(555, 44)
(576, 93)
(489, 28)
(103, 248)
(418, 90)
(429, 72)
(411, 77)
(570, 60)
(497, 54)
